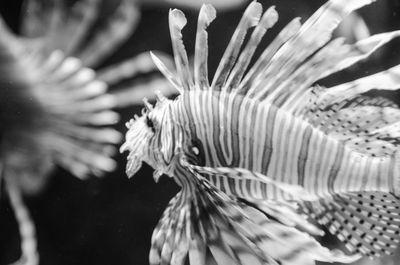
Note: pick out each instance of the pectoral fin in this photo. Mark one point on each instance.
(204, 225)
(243, 183)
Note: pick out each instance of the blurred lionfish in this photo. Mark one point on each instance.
(54, 109)
(256, 153)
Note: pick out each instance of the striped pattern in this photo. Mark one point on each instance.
(282, 147)
(252, 128)
(213, 228)
(56, 26)
(57, 110)
(250, 143)
(366, 222)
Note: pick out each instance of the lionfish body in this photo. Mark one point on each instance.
(254, 151)
(229, 130)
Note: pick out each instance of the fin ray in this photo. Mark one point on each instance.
(206, 16)
(361, 220)
(177, 21)
(267, 21)
(116, 30)
(249, 19)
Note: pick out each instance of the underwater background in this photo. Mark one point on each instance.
(110, 220)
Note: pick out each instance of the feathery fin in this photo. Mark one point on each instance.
(222, 230)
(368, 222)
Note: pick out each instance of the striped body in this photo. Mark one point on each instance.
(262, 153)
(235, 131)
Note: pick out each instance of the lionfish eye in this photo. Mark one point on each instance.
(196, 147)
(150, 124)
(196, 150)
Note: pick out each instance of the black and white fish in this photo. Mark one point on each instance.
(261, 153)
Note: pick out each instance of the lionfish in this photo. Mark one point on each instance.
(55, 110)
(263, 154)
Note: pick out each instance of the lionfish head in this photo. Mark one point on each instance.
(142, 139)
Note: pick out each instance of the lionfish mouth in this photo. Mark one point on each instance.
(136, 142)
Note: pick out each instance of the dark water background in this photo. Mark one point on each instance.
(110, 220)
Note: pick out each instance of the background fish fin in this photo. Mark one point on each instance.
(117, 28)
(29, 254)
(35, 20)
(367, 223)
(126, 69)
(78, 108)
(80, 20)
(57, 16)
(67, 25)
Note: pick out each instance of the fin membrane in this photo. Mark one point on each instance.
(367, 223)
(203, 225)
(367, 124)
